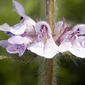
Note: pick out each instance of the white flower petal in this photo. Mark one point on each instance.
(51, 49)
(79, 52)
(30, 24)
(19, 40)
(25, 25)
(18, 28)
(47, 50)
(18, 7)
(75, 49)
(64, 47)
(5, 27)
(37, 48)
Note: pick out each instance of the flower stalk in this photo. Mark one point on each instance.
(50, 15)
(47, 66)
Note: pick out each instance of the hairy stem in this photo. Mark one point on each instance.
(47, 66)
(50, 15)
(49, 72)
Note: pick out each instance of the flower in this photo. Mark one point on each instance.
(44, 45)
(75, 41)
(26, 23)
(39, 39)
(21, 33)
(30, 35)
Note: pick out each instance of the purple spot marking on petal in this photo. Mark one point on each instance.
(44, 31)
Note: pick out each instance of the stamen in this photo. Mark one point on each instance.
(61, 37)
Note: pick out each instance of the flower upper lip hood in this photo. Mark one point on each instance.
(40, 24)
(19, 8)
(38, 37)
(30, 23)
(27, 24)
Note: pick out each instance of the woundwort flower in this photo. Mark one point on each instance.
(22, 34)
(38, 37)
(75, 41)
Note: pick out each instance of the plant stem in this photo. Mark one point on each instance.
(49, 72)
(47, 66)
(50, 15)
